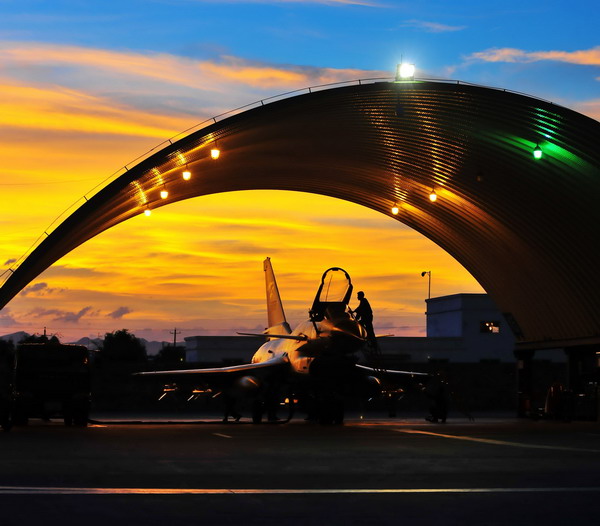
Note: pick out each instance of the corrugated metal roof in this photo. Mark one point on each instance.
(526, 229)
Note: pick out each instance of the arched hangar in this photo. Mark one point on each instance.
(526, 228)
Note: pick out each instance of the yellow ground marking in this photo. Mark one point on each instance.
(497, 442)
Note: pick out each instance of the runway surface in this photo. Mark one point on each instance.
(371, 471)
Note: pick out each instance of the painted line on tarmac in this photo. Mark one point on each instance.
(34, 490)
(222, 435)
(497, 442)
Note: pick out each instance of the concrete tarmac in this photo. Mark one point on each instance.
(495, 470)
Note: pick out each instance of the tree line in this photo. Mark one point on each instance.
(117, 346)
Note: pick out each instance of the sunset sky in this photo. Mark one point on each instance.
(86, 87)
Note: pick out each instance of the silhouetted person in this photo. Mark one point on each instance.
(230, 408)
(436, 391)
(364, 314)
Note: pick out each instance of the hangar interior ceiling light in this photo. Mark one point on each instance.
(186, 174)
(215, 152)
(537, 152)
(164, 193)
(433, 196)
(395, 209)
(147, 212)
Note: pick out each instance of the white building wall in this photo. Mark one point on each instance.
(473, 317)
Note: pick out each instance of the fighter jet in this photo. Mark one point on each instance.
(315, 365)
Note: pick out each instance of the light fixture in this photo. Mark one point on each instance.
(164, 193)
(186, 174)
(537, 152)
(395, 209)
(427, 273)
(433, 196)
(405, 71)
(147, 212)
(215, 152)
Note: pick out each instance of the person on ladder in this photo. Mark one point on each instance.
(364, 314)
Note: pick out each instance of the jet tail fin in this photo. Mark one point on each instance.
(275, 314)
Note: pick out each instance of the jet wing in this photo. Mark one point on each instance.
(233, 370)
(391, 372)
(300, 338)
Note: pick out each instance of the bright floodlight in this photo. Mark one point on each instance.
(186, 175)
(395, 209)
(537, 152)
(405, 71)
(164, 194)
(433, 196)
(147, 212)
(215, 152)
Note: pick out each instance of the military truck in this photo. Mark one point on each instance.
(49, 380)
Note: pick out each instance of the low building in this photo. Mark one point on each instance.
(221, 350)
(461, 328)
(476, 322)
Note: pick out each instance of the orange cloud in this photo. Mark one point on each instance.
(591, 108)
(201, 75)
(586, 57)
(57, 108)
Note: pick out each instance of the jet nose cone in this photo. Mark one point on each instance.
(349, 335)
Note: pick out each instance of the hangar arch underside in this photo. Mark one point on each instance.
(526, 229)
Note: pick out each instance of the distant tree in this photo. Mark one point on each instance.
(170, 354)
(40, 338)
(123, 346)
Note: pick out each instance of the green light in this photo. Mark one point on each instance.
(537, 152)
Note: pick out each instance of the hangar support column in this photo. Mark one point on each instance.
(582, 366)
(524, 382)
(583, 380)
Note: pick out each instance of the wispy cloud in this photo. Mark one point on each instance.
(586, 57)
(432, 27)
(38, 289)
(63, 109)
(365, 3)
(119, 313)
(171, 69)
(61, 315)
(71, 88)
(6, 319)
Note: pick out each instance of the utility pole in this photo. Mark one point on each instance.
(175, 332)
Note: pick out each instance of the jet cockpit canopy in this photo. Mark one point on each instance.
(333, 295)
